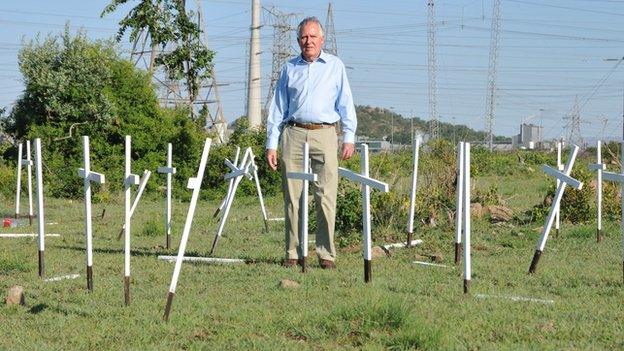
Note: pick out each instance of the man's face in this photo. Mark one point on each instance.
(310, 41)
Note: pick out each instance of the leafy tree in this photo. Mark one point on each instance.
(167, 22)
(77, 87)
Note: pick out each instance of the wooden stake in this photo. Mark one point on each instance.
(410, 219)
(466, 219)
(19, 180)
(367, 183)
(40, 214)
(565, 179)
(29, 182)
(89, 177)
(129, 180)
(195, 185)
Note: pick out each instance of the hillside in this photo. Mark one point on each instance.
(377, 123)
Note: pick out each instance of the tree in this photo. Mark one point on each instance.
(167, 22)
(78, 87)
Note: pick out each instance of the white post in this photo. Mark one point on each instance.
(559, 167)
(88, 177)
(129, 180)
(460, 201)
(237, 175)
(169, 170)
(410, 219)
(599, 190)
(195, 185)
(19, 180)
(599, 167)
(29, 182)
(367, 183)
(466, 229)
(230, 184)
(307, 176)
(40, 215)
(366, 230)
(565, 179)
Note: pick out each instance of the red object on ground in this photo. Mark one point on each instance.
(6, 223)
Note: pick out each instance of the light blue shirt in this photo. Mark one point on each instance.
(312, 92)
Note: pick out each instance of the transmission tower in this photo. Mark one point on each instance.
(490, 98)
(575, 136)
(330, 33)
(282, 49)
(431, 32)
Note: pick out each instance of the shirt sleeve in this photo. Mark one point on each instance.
(278, 111)
(345, 108)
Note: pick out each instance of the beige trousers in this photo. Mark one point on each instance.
(323, 145)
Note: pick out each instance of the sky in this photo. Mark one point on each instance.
(551, 52)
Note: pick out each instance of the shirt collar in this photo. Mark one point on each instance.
(322, 58)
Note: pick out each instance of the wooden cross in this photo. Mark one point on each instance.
(129, 180)
(306, 176)
(410, 219)
(367, 183)
(462, 215)
(599, 167)
(565, 179)
(195, 185)
(40, 215)
(88, 176)
(246, 168)
(619, 178)
(169, 170)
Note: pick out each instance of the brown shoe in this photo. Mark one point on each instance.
(290, 262)
(327, 264)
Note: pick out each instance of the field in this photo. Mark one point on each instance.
(407, 306)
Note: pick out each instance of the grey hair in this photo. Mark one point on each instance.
(307, 20)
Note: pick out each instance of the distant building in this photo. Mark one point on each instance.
(530, 137)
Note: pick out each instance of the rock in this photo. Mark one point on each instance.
(288, 284)
(16, 296)
(437, 257)
(499, 213)
(378, 252)
(476, 210)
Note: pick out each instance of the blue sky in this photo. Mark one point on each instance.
(550, 51)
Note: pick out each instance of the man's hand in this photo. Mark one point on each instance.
(271, 156)
(347, 150)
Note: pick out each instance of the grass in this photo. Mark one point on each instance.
(406, 306)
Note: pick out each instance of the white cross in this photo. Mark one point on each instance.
(142, 182)
(129, 180)
(230, 184)
(169, 170)
(306, 176)
(619, 178)
(410, 219)
(88, 176)
(246, 168)
(367, 183)
(40, 215)
(599, 167)
(28, 163)
(565, 179)
(195, 185)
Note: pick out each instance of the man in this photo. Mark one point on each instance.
(311, 97)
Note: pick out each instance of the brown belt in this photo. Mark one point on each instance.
(311, 126)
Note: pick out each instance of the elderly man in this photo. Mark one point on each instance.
(311, 97)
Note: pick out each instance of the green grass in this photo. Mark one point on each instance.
(406, 306)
